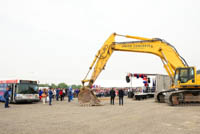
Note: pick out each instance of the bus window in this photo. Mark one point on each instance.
(27, 89)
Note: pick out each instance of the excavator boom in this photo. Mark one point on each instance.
(168, 54)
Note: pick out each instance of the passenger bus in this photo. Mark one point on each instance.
(21, 90)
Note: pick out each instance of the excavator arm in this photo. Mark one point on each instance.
(167, 53)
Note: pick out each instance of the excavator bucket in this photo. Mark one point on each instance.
(87, 97)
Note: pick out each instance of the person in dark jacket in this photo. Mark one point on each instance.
(6, 97)
(40, 94)
(112, 96)
(121, 96)
(50, 95)
(57, 94)
(69, 94)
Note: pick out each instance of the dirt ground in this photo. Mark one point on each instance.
(135, 117)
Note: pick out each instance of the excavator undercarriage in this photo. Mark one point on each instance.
(180, 97)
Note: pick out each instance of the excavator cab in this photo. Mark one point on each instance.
(184, 76)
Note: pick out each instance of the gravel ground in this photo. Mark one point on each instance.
(135, 117)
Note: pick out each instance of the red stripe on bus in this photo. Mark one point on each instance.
(8, 81)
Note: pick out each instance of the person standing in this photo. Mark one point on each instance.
(54, 93)
(6, 97)
(44, 97)
(66, 91)
(57, 94)
(77, 92)
(64, 94)
(40, 94)
(69, 94)
(61, 94)
(112, 96)
(121, 96)
(72, 94)
(50, 95)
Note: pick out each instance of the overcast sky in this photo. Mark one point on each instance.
(56, 40)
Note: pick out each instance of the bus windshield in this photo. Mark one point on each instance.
(27, 89)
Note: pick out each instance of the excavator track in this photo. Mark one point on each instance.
(183, 98)
(160, 96)
(86, 97)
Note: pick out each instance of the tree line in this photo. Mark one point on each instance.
(60, 85)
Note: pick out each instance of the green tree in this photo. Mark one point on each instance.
(79, 86)
(53, 85)
(76, 86)
(73, 86)
(62, 85)
(44, 85)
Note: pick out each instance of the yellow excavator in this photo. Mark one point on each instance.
(185, 79)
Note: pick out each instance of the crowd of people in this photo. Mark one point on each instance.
(112, 93)
(57, 94)
(105, 92)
